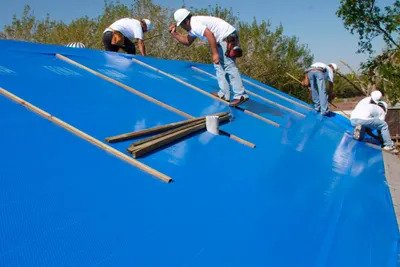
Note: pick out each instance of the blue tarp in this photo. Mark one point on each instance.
(306, 195)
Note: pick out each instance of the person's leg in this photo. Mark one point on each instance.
(129, 46)
(107, 36)
(359, 129)
(235, 80)
(379, 125)
(314, 89)
(322, 94)
(384, 128)
(223, 84)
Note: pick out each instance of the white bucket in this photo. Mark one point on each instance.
(212, 124)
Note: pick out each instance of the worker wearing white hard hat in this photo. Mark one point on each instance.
(318, 74)
(224, 43)
(123, 32)
(370, 114)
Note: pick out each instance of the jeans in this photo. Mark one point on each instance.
(376, 124)
(228, 75)
(318, 91)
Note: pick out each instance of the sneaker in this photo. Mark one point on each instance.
(237, 102)
(327, 114)
(391, 149)
(220, 97)
(357, 134)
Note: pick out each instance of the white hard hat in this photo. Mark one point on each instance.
(376, 96)
(180, 15)
(148, 24)
(334, 66)
(76, 45)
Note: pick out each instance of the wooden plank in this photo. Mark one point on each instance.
(150, 131)
(126, 87)
(150, 146)
(259, 117)
(264, 89)
(149, 98)
(256, 95)
(134, 145)
(248, 112)
(86, 137)
(276, 94)
(153, 130)
(297, 80)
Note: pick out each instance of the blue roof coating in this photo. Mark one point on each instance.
(306, 195)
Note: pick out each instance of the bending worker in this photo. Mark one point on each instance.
(122, 33)
(369, 114)
(224, 44)
(317, 74)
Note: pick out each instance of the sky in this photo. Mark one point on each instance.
(313, 21)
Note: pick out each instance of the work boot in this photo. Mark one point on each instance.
(358, 133)
(237, 102)
(221, 97)
(391, 149)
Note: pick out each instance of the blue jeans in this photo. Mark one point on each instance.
(376, 124)
(228, 75)
(318, 91)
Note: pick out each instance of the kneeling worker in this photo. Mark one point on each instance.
(122, 33)
(368, 114)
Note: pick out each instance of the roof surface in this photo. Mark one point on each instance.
(306, 195)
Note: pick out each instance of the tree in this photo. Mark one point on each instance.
(270, 54)
(22, 29)
(368, 20)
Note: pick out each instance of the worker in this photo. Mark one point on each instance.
(368, 114)
(318, 74)
(383, 112)
(224, 44)
(122, 34)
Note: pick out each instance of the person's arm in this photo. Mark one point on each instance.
(183, 39)
(330, 86)
(382, 116)
(141, 46)
(331, 94)
(213, 45)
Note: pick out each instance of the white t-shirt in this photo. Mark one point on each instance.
(219, 27)
(130, 28)
(328, 73)
(365, 110)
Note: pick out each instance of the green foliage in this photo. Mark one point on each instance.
(368, 20)
(343, 89)
(270, 55)
(22, 29)
(220, 12)
(384, 72)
